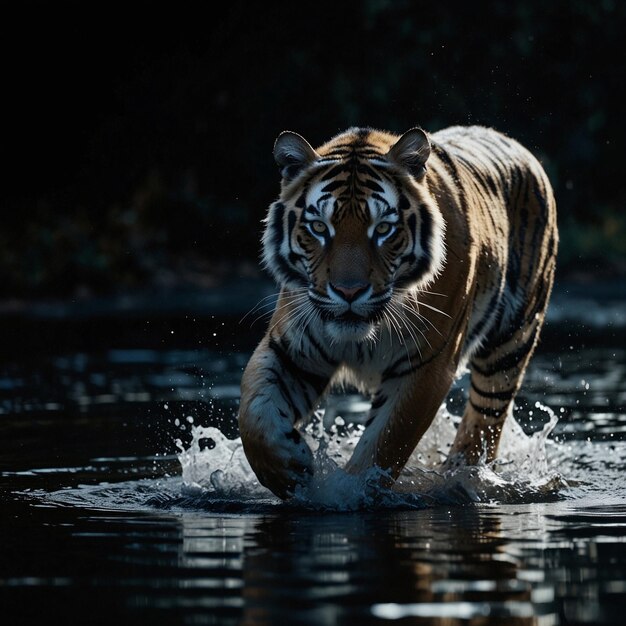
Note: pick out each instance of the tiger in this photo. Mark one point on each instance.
(401, 261)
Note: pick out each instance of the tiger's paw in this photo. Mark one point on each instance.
(282, 462)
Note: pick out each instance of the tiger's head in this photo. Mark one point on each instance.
(355, 225)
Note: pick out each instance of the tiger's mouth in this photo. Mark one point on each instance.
(350, 317)
(350, 327)
(356, 314)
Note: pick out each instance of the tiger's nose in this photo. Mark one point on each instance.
(350, 292)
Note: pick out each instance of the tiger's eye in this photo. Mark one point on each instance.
(319, 227)
(383, 228)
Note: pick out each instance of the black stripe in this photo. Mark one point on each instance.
(522, 319)
(340, 146)
(315, 264)
(426, 232)
(488, 412)
(447, 161)
(282, 267)
(277, 224)
(334, 185)
(492, 184)
(408, 258)
(489, 154)
(317, 382)
(392, 179)
(513, 271)
(511, 182)
(493, 395)
(307, 389)
(372, 184)
(389, 373)
(477, 174)
(524, 187)
(504, 140)
(514, 268)
(367, 153)
(509, 360)
(277, 379)
(363, 168)
(380, 198)
(425, 260)
(291, 223)
(334, 171)
(488, 316)
(525, 317)
(539, 221)
(294, 257)
(497, 157)
(319, 348)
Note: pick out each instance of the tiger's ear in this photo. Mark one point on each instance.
(411, 151)
(292, 153)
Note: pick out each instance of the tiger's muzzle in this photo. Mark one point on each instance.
(352, 312)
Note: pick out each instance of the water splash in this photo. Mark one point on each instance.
(215, 464)
(214, 467)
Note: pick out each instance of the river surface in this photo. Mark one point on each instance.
(126, 499)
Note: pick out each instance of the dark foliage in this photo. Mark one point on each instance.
(139, 143)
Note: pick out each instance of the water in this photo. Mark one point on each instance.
(125, 497)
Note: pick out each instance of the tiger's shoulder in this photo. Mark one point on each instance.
(483, 148)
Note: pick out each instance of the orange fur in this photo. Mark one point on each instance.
(400, 258)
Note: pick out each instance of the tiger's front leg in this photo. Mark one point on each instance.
(275, 394)
(402, 410)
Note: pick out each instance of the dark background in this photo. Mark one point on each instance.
(137, 140)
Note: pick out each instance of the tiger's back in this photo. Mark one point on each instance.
(511, 212)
